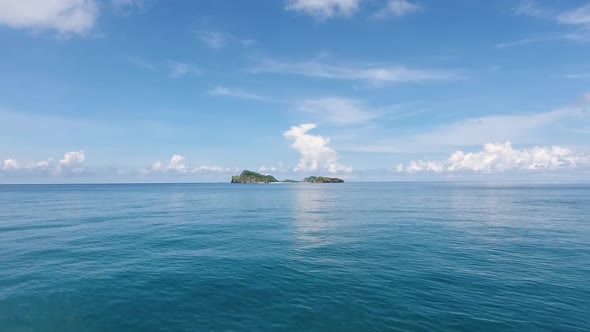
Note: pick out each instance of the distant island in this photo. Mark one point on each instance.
(253, 177)
(322, 179)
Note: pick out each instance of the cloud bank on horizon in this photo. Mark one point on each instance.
(500, 157)
(145, 89)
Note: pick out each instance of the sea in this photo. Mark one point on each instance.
(404, 256)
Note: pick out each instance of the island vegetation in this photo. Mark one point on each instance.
(253, 177)
(322, 179)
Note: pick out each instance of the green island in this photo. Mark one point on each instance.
(322, 179)
(253, 177)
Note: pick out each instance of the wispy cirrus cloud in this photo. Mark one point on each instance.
(323, 9)
(524, 128)
(218, 39)
(577, 75)
(140, 62)
(178, 69)
(397, 8)
(373, 74)
(337, 110)
(495, 128)
(578, 17)
(237, 93)
(533, 9)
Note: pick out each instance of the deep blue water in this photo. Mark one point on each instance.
(339, 257)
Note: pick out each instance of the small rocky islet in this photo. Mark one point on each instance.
(253, 177)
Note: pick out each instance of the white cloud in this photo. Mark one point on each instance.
(314, 150)
(280, 168)
(236, 93)
(341, 111)
(528, 41)
(533, 9)
(323, 9)
(179, 69)
(218, 39)
(499, 157)
(71, 163)
(496, 128)
(177, 165)
(73, 158)
(43, 164)
(213, 39)
(140, 62)
(264, 169)
(565, 125)
(370, 73)
(397, 8)
(578, 16)
(577, 75)
(10, 164)
(158, 166)
(14, 165)
(63, 16)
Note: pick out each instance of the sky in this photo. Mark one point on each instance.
(366, 90)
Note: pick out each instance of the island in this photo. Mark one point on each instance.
(252, 177)
(322, 179)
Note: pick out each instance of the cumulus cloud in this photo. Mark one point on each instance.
(178, 69)
(280, 167)
(323, 9)
(71, 162)
(263, 169)
(63, 16)
(177, 164)
(397, 8)
(73, 158)
(340, 111)
(314, 150)
(10, 164)
(499, 157)
(373, 74)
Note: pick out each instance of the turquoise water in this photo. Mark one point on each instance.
(350, 257)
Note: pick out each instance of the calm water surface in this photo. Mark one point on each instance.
(350, 257)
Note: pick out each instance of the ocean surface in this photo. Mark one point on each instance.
(297, 257)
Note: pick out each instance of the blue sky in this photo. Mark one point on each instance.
(188, 91)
